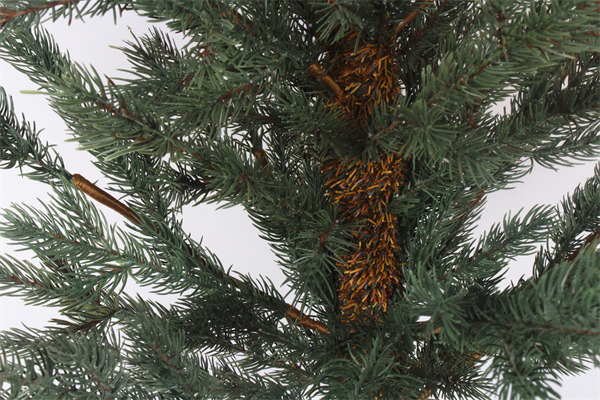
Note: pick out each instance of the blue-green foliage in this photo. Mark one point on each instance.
(233, 117)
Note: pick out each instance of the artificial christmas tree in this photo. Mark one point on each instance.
(360, 138)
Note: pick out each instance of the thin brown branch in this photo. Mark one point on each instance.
(564, 329)
(7, 15)
(94, 322)
(590, 238)
(410, 17)
(418, 35)
(258, 151)
(105, 198)
(28, 282)
(243, 88)
(305, 321)
(548, 326)
(323, 237)
(318, 72)
(463, 80)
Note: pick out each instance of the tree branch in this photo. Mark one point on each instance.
(8, 15)
(590, 238)
(103, 197)
(318, 72)
(305, 321)
(410, 17)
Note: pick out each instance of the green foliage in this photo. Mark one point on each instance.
(65, 365)
(546, 327)
(21, 146)
(233, 117)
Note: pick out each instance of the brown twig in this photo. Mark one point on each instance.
(318, 72)
(239, 89)
(588, 332)
(410, 17)
(305, 321)
(28, 282)
(258, 151)
(418, 35)
(105, 198)
(590, 238)
(11, 14)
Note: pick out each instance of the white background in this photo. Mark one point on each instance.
(229, 232)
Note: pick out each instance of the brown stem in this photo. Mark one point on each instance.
(564, 329)
(11, 14)
(318, 72)
(590, 238)
(418, 35)
(105, 198)
(305, 321)
(28, 282)
(410, 17)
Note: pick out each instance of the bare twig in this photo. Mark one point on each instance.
(410, 17)
(318, 72)
(305, 321)
(105, 198)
